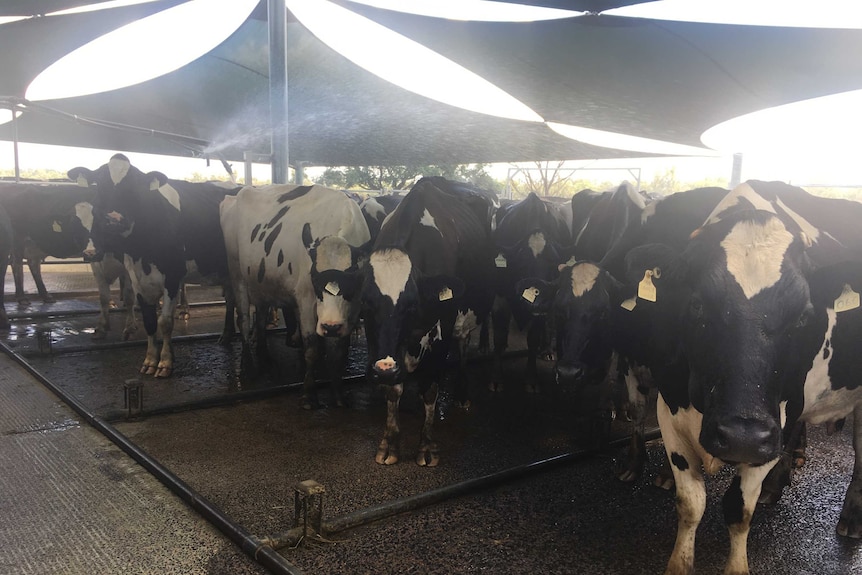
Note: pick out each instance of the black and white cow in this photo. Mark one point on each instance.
(169, 232)
(300, 248)
(763, 305)
(599, 219)
(426, 284)
(531, 238)
(376, 208)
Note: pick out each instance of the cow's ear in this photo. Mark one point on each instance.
(83, 176)
(157, 180)
(440, 288)
(833, 286)
(360, 254)
(663, 260)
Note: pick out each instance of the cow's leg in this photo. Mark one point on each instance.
(739, 503)
(336, 360)
(502, 316)
(149, 317)
(166, 328)
(535, 336)
(850, 520)
(35, 265)
(781, 474)
(388, 450)
(428, 454)
(128, 296)
(182, 304)
(229, 329)
(637, 397)
(678, 435)
(17, 264)
(311, 353)
(104, 286)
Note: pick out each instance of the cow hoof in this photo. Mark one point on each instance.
(428, 457)
(148, 370)
(309, 403)
(532, 388)
(164, 372)
(49, 299)
(385, 454)
(23, 302)
(99, 335)
(849, 528)
(495, 387)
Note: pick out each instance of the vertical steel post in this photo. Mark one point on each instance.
(277, 20)
(736, 171)
(14, 111)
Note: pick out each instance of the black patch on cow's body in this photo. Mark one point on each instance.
(290, 268)
(261, 270)
(280, 258)
(732, 502)
(262, 233)
(679, 461)
(294, 193)
(267, 245)
(277, 216)
(254, 232)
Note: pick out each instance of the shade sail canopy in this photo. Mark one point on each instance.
(662, 80)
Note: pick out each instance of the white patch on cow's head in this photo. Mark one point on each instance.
(84, 212)
(741, 191)
(584, 278)
(391, 272)
(373, 208)
(171, 195)
(118, 168)
(755, 252)
(537, 243)
(465, 324)
(333, 253)
(428, 220)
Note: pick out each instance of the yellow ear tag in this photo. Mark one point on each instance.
(446, 293)
(646, 289)
(530, 294)
(629, 304)
(154, 185)
(848, 300)
(57, 227)
(500, 261)
(82, 181)
(572, 261)
(332, 288)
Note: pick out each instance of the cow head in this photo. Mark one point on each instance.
(744, 296)
(337, 280)
(406, 312)
(121, 188)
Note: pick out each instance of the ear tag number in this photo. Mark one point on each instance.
(848, 300)
(530, 294)
(57, 226)
(333, 288)
(446, 294)
(646, 289)
(500, 261)
(629, 304)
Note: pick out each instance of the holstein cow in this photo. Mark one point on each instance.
(168, 231)
(376, 208)
(597, 340)
(531, 241)
(599, 219)
(764, 304)
(55, 220)
(426, 284)
(300, 248)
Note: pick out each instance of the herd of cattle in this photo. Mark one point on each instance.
(741, 307)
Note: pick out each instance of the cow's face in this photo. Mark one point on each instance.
(406, 314)
(336, 279)
(120, 190)
(581, 307)
(748, 296)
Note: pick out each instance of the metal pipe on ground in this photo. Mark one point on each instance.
(394, 507)
(252, 546)
(14, 316)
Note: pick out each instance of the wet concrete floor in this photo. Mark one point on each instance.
(248, 456)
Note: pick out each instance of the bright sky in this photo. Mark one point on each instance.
(831, 123)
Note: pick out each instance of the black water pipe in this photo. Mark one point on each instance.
(255, 548)
(413, 502)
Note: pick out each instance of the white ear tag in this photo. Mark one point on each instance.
(848, 300)
(82, 181)
(333, 288)
(154, 185)
(500, 261)
(57, 227)
(629, 304)
(446, 294)
(572, 261)
(646, 289)
(530, 294)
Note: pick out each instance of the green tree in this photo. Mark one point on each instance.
(403, 177)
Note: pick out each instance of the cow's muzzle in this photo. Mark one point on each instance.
(332, 329)
(742, 440)
(386, 368)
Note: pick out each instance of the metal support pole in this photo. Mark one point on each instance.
(14, 111)
(736, 171)
(298, 173)
(277, 18)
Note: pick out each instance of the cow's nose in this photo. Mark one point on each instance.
(568, 373)
(332, 329)
(386, 367)
(744, 440)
